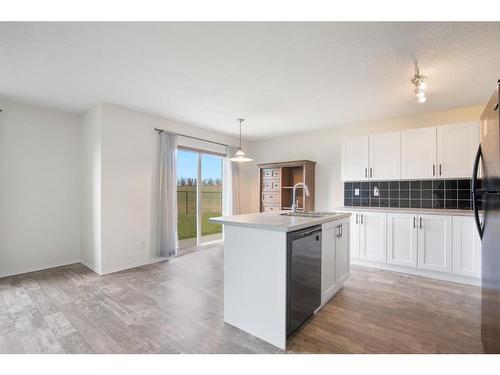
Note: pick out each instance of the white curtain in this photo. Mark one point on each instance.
(167, 196)
(231, 196)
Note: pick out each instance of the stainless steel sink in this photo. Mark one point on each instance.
(307, 214)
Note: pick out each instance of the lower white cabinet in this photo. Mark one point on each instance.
(466, 247)
(354, 235)
(402, 239)
(372, 236)
(335, 259)
(343, 257)
(447, 244)
(434, 242)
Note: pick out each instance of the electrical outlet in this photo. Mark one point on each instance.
(356, 191)
(143, 244)
(375, 191)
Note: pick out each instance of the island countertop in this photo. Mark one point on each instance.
(276, 222)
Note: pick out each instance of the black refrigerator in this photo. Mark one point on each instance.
(488, 161)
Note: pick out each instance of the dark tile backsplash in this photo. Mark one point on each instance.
(445, 194)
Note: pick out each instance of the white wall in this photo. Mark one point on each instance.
(39, 188)
(91, 189)
(129, 157)
(324, 148)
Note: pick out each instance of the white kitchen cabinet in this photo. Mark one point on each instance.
(385, 156)
(328, 261)
(343, 259)
(335, 261)
(402, 239)
(435, 242)
(355, 158)
(354, 235)
(466, 247)
(418, 153)
(456, 148)
(372, 236)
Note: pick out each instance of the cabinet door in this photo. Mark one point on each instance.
(343, 261)
(402, 239)
(456, 149)
(434, 242)
(355, 158)
(418, 153)
(354, 235)
(328, 260)
(372, 236)
(466, 247)
(385, 156)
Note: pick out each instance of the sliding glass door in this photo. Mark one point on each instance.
(199, 197)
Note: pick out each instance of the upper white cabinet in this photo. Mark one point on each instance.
(418, 153)
(435, 242)
(402, 239)
(446, 151)
(372, 236)
(385, 159)
(355, 159)
(466, 247)
(456, 149)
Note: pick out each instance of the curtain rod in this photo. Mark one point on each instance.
(189, 136)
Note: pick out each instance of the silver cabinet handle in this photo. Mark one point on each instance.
(440, 169)
(341, 231)
(371, 172)
(366, 172)
(433, 169)
(356, 218)
(414, 222)
(420, 223)
(361, 218)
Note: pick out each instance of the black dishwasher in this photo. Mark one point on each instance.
(303, 276)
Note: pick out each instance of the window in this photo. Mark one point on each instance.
(199, 197)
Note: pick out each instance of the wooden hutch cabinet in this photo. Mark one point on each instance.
(277, 181)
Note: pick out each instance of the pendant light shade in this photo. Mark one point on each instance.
(239, 156)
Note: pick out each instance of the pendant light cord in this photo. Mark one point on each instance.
(240, 120)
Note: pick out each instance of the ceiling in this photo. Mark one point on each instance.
(282, 77)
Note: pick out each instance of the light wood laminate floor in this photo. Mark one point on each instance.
(177, 307)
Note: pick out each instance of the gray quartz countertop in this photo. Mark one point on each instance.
(275, 221)
(430, 211)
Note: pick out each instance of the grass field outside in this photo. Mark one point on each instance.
(211, 206)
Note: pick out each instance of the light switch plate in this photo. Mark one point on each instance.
(356, 191)
(375, 191)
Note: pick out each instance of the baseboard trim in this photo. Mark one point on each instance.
(418, 272)
(45, 267)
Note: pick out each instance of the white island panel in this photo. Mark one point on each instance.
(255, 282)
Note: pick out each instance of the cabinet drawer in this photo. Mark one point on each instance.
(270, 185)
(270, 207)
(270, 197)
(271, 173)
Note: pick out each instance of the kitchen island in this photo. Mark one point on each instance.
(257, 268)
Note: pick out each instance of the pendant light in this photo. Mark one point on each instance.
(239, 156)
(420, 83)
